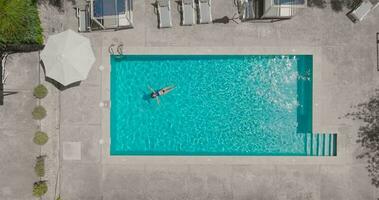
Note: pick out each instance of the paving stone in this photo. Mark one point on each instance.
(72, 151)
(124, 182)
(166, 182)
(81, 181)
(17, 157)
(210, 182)
(298, 182)
(89, 138)
(254, 182)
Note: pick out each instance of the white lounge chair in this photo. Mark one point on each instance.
(164, 12)
(205, 14)
(360, 12)
(125, 18)
(188, 11)
(82, 14)
(246, 9)
(4, 73)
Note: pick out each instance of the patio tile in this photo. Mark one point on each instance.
(80, 105)
(361, 187)
(124, 182)
(335, 182)
(166, 182)
(346, 182)
(298, 182)
(72, 151)
(16, 113)
(81, 181)
(254, 182)
(17, 158)
(209, 182)
(87, 136)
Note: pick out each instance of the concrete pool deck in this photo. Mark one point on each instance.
(342, 154)
(344, 67)
(345, 74)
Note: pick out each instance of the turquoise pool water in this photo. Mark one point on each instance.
(222, 105)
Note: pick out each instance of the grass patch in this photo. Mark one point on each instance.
(19, 23)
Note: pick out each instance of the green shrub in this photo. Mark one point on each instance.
(39, 112)
(39, 168)
(40, 91)
(19, 22)
(40, 138)
(39, 188)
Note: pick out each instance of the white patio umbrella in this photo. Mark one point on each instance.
(67, 57)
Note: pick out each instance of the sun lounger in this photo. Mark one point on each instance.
(188, 10)
(205, 11)
(246, 9)
(4, 73)
(83, 19)
(360, 12)
(125, 17)
(164, 12)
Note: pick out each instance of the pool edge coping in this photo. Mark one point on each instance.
(146, 159)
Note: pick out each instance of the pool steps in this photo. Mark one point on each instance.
(321, 144)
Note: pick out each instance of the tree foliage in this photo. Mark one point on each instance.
(368, 134)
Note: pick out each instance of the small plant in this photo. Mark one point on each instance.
(40, 91)
(39, 113)
(40, 138)
(39, 168)
(39, 188)
(59, 197)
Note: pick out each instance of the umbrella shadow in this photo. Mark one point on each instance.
(56, 84)
(61, 87)
(42, 66)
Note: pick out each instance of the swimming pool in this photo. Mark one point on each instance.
(222, 104)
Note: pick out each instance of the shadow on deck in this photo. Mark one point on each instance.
(3, 93)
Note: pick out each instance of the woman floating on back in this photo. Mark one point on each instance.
(156, 94)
